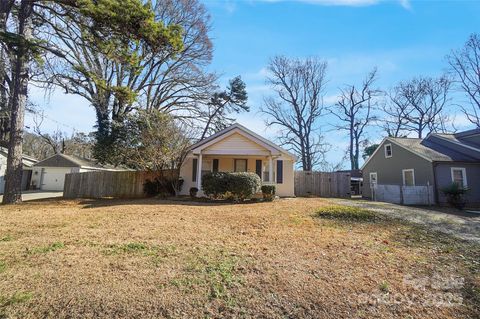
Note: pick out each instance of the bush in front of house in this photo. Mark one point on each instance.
(193, 192)
(215, 184)
(231, 185)
(268, 192)
(244, 185)
(162, 186)
(455, 195)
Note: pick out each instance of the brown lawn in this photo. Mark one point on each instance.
(152, 258)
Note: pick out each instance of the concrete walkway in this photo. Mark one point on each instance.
(461, 225)
(34, 195)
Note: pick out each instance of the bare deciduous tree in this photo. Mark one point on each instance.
(354, 110)
(299, 86)
(465, 64)
(393, 121)
(421, 103)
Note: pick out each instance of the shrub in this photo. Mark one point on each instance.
(244, 185)
(231, 185)
(268, 192)
(215, 184)
(455, 195)
(193, 191)
(161, 186)
(346, 213)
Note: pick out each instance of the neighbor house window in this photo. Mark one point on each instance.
(408, 177)
(240, 165)
(459, 176)
(388, 150)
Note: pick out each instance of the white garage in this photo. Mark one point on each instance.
(49, 174)
(52, 178)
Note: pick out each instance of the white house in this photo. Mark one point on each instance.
(49, 174)
(27, 162)
(238, 149)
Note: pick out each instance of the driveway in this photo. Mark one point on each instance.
(34, 195)
(462, 225)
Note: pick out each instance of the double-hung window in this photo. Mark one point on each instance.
(388, 150)
(240, 165)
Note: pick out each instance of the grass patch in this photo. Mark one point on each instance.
(127, 248)
(6, 238)
(3, 266)
(384, 287)
(47, 249)
(157, 253)
(216, 275)
(18, 297)
(347, 213)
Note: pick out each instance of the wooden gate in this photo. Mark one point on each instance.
(322, 184)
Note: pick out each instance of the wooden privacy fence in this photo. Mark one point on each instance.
(336, 184)
(405, 195)
(118, 184)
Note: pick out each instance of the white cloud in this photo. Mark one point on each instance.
(406, 4)
(350, 3)
(355, 3)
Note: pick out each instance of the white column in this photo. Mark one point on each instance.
(199, 173)
(270, 169)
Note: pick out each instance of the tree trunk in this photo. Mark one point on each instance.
(351, 151)
(13, 182)
(4, 98)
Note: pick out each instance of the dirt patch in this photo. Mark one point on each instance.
(151, 258)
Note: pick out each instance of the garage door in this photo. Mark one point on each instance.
(54, 178)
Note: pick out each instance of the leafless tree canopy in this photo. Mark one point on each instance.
(393, 120)
(354, 112)
(465, 64)
(297, 106)
(421, 103)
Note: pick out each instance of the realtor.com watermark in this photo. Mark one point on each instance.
(438, 290)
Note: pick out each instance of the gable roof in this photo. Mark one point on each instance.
(436, 148)
(238, 128)
(63, 160)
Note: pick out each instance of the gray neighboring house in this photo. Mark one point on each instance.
(27, 162)
(49, 174)
(437, 160)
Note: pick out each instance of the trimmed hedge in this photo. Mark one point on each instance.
(231, 185)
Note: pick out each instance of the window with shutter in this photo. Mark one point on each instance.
(279, 172)
(194, 169)
(258, 167)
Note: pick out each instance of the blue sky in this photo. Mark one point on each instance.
(402, 38)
